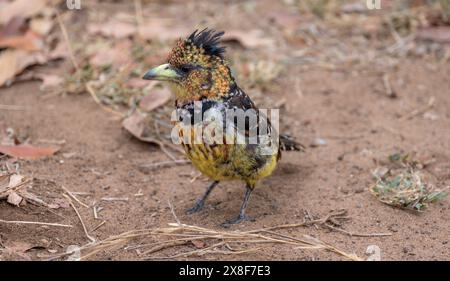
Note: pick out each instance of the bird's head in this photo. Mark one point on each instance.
(196, 68)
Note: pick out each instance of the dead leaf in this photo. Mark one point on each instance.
(14, 62)
(11, 183)
(21, 8)
(249, 39)
(440, 34)
(14, 199)
(15, 26)
(27, 151)
(16, 192)
(7, 182)
(157, 97)
(30, 41)
(113, 28)
(15, 180)
(136, 125)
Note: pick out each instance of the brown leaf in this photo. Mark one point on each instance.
(439, 34)
(157, 97)
(8, 182)
(14, 199)
(15, 180)
(249, 39)
(13, 62)
(29, 41)
(136, 125)
(22, 8)
(15, 26)
(27, 151)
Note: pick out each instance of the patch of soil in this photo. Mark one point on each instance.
(357, 122)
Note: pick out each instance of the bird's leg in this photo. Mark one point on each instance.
(201, 202)
(242, 216)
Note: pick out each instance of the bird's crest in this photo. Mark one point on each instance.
(209, 41)
(200, 46)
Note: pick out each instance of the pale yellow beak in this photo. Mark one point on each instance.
(164, 72)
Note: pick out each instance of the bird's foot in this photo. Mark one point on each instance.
(197, 207)
(236, 220)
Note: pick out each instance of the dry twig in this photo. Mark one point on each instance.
(81, 220)
(66, 39)
(35, 223)
(71, 194)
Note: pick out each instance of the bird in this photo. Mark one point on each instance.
(201, 79)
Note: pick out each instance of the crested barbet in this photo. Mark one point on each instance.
(200, 76)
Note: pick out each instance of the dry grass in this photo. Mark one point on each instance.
(218, 242)
(208, 241)
(407, 190)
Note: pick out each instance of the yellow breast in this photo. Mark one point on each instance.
(224, 162)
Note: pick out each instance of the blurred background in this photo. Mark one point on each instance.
(359, 84)
(113, 42)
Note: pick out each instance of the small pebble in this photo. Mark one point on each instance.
(318, 142)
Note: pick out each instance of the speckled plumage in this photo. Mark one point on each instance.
(200, 74)
(223, 161)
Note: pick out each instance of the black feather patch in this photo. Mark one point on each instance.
(288, 143)
(208, 40)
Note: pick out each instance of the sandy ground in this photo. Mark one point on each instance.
(359, 123)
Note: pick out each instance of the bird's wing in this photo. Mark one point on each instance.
(254, 128)
(239, 99)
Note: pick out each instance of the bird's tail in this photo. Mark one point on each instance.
(288, 143)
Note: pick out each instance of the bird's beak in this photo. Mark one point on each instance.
(164, 72)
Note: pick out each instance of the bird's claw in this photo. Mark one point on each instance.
(197, 207)
(236, 220)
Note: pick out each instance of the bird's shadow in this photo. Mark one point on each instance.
(287, 179)
(266, 196)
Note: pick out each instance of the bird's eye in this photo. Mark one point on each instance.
(185, 68)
